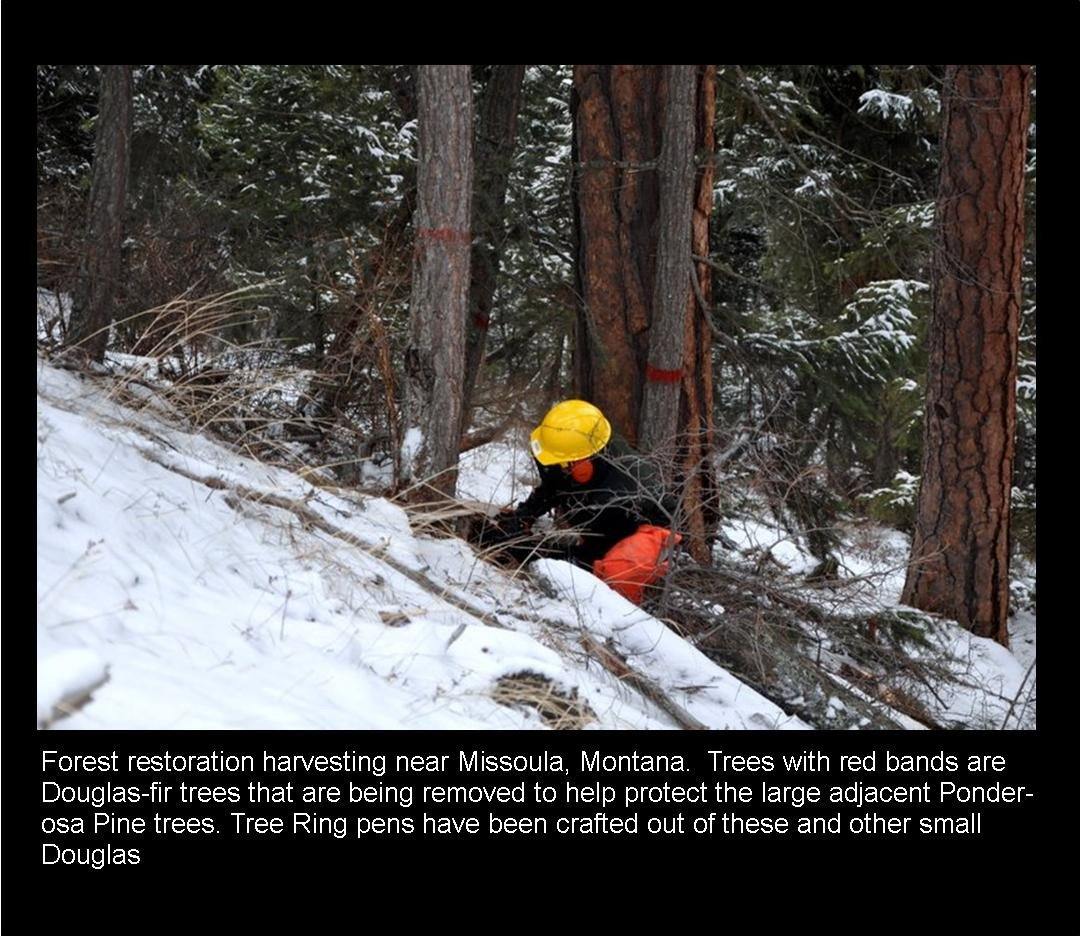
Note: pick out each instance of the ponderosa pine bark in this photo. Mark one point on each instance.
(619, 113)
(960, 551)
(616, 140)
(99, 269)
(435, 358)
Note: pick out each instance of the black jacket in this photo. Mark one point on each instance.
(622, 494)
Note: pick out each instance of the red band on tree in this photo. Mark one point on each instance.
(481, 321)
(656, 375)
(448, 235)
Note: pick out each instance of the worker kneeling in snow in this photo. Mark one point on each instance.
(600, 488)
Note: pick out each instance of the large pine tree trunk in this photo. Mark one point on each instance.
(616, 193)
(619, 117)
(99, 269)
(960, 552)
(498, 107)
(435, 357)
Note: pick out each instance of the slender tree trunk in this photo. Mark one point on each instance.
(318, 313)
(696, 406)
(885, 452)
(435, 358)
(496, 134)
(99, 270)
(551, 385)
(672, 295)
(960, 551)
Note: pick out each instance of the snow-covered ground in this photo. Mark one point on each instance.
(169, 596)
(993, 687)
(497, 474)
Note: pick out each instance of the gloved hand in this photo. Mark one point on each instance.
(514, 524)
(506, 525)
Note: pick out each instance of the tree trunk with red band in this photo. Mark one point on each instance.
(656, 375)
(435, 358)
(619, 113)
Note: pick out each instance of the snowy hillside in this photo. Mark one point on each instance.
(990, 686)
(181, 585)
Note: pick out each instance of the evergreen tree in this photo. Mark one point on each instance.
(960, 552)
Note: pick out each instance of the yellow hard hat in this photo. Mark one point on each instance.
(570, 431)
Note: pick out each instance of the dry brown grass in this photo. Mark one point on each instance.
(558, 708)
(203, 370)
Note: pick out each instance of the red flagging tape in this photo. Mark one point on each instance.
(481, 321)
(662, 376)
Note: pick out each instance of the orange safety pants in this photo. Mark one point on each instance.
(634, 562)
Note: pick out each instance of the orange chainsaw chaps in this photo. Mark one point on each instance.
(634, 562)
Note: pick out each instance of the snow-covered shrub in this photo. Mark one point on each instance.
(895, 504)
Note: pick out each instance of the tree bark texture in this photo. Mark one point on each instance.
(499, 105)
(696, 403)
(99, 269)
(616, 141)
(619, 131)
(960, 551)
(672, 295)
(435, 358)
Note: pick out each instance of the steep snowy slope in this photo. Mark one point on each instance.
(182, 585)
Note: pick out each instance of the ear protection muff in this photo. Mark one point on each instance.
(582, 471)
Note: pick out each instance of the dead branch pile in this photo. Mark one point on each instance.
(834, 668)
